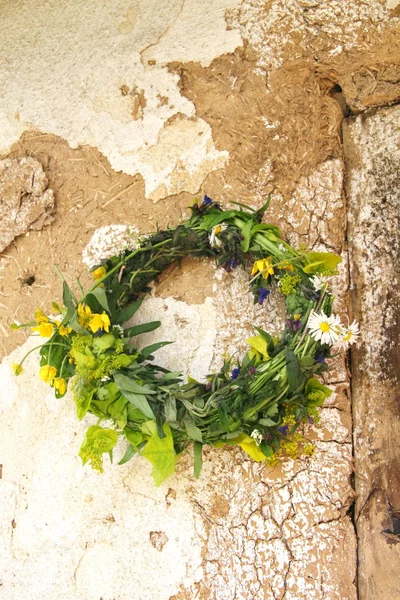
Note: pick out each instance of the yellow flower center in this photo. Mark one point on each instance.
(218, 229)
(347, 337)
(325, 327)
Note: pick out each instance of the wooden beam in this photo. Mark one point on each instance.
(372, 157)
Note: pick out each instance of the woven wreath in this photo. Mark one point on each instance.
(258, 402)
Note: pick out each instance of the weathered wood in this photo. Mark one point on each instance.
(372, 150)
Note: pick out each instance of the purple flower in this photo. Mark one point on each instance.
(262, 294)
(208, 386)
(320, 358)
(296, 324)
(293, 324)
(207, 200)
(230, 264)
(252, 370)
(283, 429)
(235, 373)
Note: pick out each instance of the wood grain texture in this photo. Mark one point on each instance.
(372, 150)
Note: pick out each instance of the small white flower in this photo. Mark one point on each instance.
(349, 335)
(257, 436)
(320, 282)
(215, 242)
(324, 329)
(118, 330)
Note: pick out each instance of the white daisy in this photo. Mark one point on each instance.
(215, 242)
(349, 335)
(320, 282)
(324, 329)
(257, 436)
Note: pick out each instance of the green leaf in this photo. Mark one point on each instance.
(267, 337)
(140, 402)
(296, 304)
(170, 408)
(127, 384)
(223, 416)
(198, 459)
(124, 314)
(272, 411)
(117, 410)
(172, 375)
(214, 218)
(144, 328)
(246, 233)
(68, 297)
(101, 297)
(73, 323)
(267, 422)
(160, 453)
(130, 452)
(293, 369)
(134, 437)
(316, 392)
(259, 347)
(148, 350)
(266, 450)
(191, 428)
(321, 262)
(266, 227)
(263, 208)
(103, 343)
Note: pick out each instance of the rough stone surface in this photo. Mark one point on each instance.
(25, 203)
(372, 144)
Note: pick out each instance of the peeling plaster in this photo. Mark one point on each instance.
(98, 76)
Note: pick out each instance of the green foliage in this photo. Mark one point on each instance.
(160, 452)
(96, 443)
(249, 402)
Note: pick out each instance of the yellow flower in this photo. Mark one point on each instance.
(84, 315)
(40, 317)
(47, 373)
(99, 322)
(45, 329)
(17, 369)
(60, 384)
(263, 266)
(287, 267)
(62, 330)
(99, 273)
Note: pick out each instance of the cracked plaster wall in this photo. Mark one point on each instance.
(242, 532)
(95, 73)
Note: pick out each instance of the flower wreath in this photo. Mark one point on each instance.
(258, 402)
